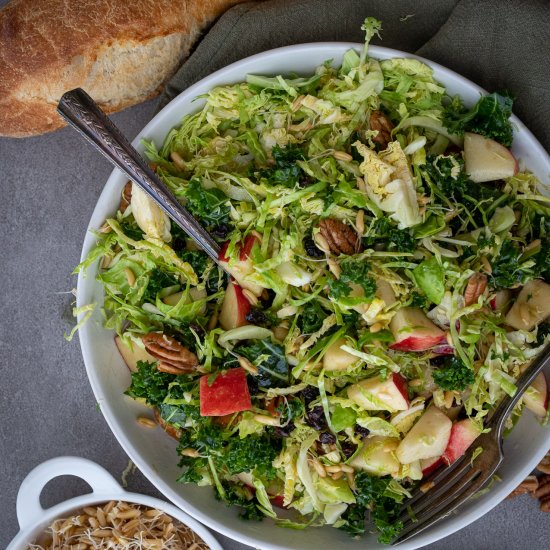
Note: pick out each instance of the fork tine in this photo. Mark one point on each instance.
(470, 484)
(440, 480)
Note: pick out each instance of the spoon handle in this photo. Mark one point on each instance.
(83, 114)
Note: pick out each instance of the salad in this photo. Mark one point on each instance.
(390, 281)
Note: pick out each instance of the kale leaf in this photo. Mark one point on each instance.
(179, 415)
(208, 205)
(251, 453)
(372, 495)
(353, 271)
(150, 384)
(311, 318)
(285, 172)
(273, 369)
(454, 374)
(488, 117)
(235, 496)
(506, 268)
(384, 233)
(131, 229)
(157, 281)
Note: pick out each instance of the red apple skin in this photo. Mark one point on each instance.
(416, 343)
(444, 349)
(413, 331)
(539, 403)
(432, 465)
(235, 307)
(221, 256)
(246, 247)
(401, 385)
(463, 434)
(226, 395)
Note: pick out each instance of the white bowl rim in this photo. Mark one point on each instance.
(437, 532)
(105, 488)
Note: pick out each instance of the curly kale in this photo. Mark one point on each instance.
(385, 234)
(236, 496)
(285, 172)
(453, 374)
(269, 358)
(208, 205)
(158, 280)
(251, 453)
(353, 271)
(131, 229)
(373, 497)
(150, 384)
(311, 318)
(488, 117)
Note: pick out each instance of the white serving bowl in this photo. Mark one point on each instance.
(33, 519)
(152, 451)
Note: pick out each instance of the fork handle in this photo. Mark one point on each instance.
(83, 114)
(507, 404)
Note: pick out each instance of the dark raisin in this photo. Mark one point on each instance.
(360, 431)
(438, 361)
(311, 249)
(256, 317)
(178, 244)
(305, 181)
(327, 438)
(220, 231)
(198, 330)
(310, 393)
(285, 431)
(348, 448)
(316, 418)
(253, 387)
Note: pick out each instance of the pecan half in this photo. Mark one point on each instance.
(544, 465)
(383, 125)
(341, 238)
(528, 486)
(168, 428)
(543, 493)
(476, 286)
(126, 197)
(173, 357)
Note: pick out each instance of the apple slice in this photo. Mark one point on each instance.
(235, 307)
(502, 301)
(374, 394)
(413, 331)
(487, 160)
(132, 355)
(428, 438)
(227, 394)
(377, 456)
(531, 306)
(463, 434)
(240, 269)
(429, 465)
(336, 358)
(536, 396)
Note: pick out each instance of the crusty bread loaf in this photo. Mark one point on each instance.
(120, 51)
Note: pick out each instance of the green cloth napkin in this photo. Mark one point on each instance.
(499, 44)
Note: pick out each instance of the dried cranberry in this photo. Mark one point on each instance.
(348, 448)
(316, 418)
(253, 387)
(198, 330)
(327, 438)
(363, 432)
(310, 393)
(285, 431)
(311, 249)
(305, 181)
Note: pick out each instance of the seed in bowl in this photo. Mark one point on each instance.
(119, 525)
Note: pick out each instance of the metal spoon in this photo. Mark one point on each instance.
(83, 114)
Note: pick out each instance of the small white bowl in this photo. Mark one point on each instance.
(153, 452)
(33, 519)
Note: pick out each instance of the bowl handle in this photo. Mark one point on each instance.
(29, 509)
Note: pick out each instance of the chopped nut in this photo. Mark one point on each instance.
(341, 238)
(130, 277)
(248, 366)
(251, 297)
(193, 453)
(543, 490)
(476, 286)
(174, 357)
(171, 430)
(147, 422)
(360, 223)
(319, 468)
(377, 327)
(177, 160)
(346, 468)
(321, 243)
(544, 465)
(486, 265)
(126, 197)
(337, 475)
(334, 468)
(528, 486)
(334, 268)
(361, 185)
(342, 155)
(267, 420)
(383, 125)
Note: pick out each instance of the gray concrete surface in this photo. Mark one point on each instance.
(49, 186)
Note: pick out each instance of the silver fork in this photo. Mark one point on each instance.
(444, 491)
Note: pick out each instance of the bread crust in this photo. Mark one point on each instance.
(119, 51)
